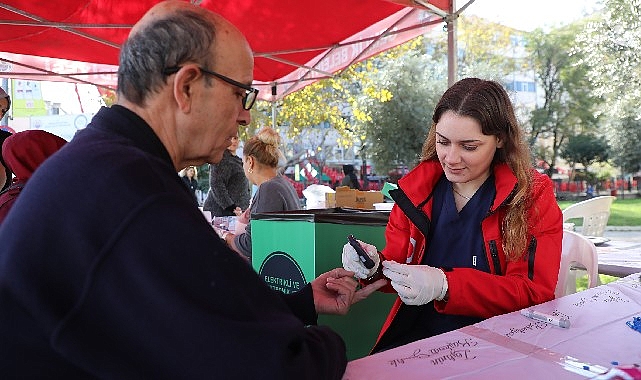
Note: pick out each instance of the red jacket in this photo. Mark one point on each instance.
(510, 285)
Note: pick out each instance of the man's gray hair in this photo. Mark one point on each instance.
(178, 38)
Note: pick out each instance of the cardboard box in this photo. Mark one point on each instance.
(346, 197)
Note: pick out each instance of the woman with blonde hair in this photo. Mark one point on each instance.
(189, 176)
(261, 155)
(475, 231)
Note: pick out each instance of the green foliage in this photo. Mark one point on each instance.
(397, 126)
(569, 106)
(388, 99)
(488, 49)
(611, 46)
(611, 49)
(394, 110)
(385, 103)
(585, 149)
(626, 140)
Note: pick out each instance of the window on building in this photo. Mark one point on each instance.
(521, 86)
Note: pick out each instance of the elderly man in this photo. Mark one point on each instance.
(108, 268)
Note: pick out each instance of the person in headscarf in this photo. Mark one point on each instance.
(23, 153)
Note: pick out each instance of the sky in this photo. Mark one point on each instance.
(528, 15)
(65, 94)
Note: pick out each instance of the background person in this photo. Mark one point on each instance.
(122, 277)
(5, 173)
(350, 178)
(261, 155)
(229, 190)
(189, 176)
(476, 231)
(5, 103)
(23, 153)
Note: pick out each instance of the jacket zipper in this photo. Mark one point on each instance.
(494, 252)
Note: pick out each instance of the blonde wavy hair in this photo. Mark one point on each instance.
(488, 103)
(264, 147)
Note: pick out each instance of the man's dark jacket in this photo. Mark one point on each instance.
(123, 278)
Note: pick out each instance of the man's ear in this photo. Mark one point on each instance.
(184, 81)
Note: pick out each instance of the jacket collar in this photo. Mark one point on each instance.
(419, 183)
(122, 121)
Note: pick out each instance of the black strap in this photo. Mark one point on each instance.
(414, 214)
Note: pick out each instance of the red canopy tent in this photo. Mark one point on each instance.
(294, 42)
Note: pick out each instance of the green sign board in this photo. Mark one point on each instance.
(291, 249)
(26, 98)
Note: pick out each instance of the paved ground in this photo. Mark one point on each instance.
(623, 233)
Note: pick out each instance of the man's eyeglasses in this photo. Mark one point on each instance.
(250, 93)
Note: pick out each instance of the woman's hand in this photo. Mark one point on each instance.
(243, 217)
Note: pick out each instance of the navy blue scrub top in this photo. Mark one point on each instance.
(455, 239)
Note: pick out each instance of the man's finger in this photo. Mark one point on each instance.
(345, 285)
(366, 291)
(341, 272)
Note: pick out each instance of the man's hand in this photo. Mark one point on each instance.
(335, 291)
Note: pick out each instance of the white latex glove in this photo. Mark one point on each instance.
(416, 284)
(352, 262)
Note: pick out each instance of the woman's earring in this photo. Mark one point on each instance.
(250, 170)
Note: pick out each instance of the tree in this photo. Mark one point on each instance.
(402, 120)
(627, 140)
(568, 105)
(611, 46)
(323, 115)
(585, 149)
(487, 49)
(397, 106)
(388, 99)
(323, 109)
